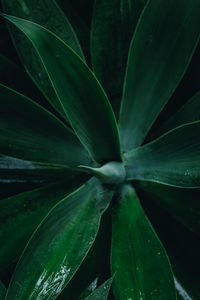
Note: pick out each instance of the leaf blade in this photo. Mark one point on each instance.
(156, 64)
(54, 20)
(93, 122)
(110, 39)
(59, 259)
(2, 291)
(29, 132)
(171, 159)
(133, 241)
(102, 292)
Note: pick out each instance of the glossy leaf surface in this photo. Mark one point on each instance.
(22, 213)
(189, 112)
(138, 259)
(48, 14)
(172, 159)
(112, 29)
(182, 204)
(2, 291)
(95, 268)
(60, 244)
(102, 292)
(83, 100)
(30, 132)
(160, 51)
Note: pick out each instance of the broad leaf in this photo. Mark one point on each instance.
(102, 292)
(80, 94)
(95, 267)
(2, 291)
(189, 112)
(22, 213)
(60, 244)
(29, 132)
(182, 204)
(160, 51)
(48, 14)
(113, 25)
(138, 259)
(172, 159)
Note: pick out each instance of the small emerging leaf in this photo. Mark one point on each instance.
(102, 292)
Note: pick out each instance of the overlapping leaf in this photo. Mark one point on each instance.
(60, 244)
(160, 51)
(22, 213)
(81, 96)
(30, 132)
(138, 259)
(48, 14)
(172, 159)
(102, 292)
(112, 29)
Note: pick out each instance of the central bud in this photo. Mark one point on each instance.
(111, 173)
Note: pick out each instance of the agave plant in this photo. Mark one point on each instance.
(89, 154)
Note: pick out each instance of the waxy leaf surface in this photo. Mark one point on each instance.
(102, 292)
(161, 49)
(83, 99)
(29, 132)
(139, 262)
(182, 204)
(22, 213)
(48, 14)
(172, 159)
(113, 25)
(60, 244)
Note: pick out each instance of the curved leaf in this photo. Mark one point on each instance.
(2, 291)
(95, 267)
(189, 112)
(22, 213)
(60, 244)
(83, 100)
(48, 14)
(113, 25)
(182, 204)
(160, 51)
(172, 159)
(102, 292)
(138, 259)
(29, 132)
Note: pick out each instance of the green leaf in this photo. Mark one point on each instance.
(93, 121)
(172, 159)
(182, 204)
(160, 52)
(95, 267)
(60, 244)
(29, 132)
(48, 14)
(113, 25)
(102, 292)
(22, 213)
(138, 259)
(2, 291)
(13, 170)
(188, 113)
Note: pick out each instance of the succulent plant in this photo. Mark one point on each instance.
(97, 140)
